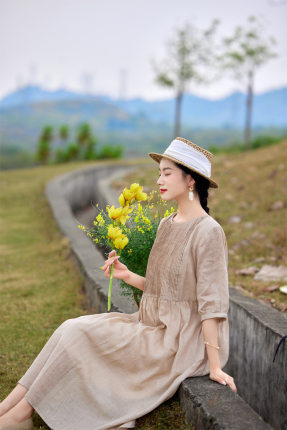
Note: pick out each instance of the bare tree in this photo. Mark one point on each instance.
(188, 51)
(243, 53)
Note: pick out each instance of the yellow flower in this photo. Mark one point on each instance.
(123, 219)
(121, 242)
(127, 210)
(146, 220)
(120, 214)
(128, 195)
(100, 220)
(122, 200)
(135, 187)
(114, 232)
(141, 196)
(140, 208)
(134, 193)
(114, 213)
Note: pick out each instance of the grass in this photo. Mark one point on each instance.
(40, 286)
(249, 184)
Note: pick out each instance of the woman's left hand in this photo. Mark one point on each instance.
(219, 376)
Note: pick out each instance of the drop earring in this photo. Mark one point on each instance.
(190, 193)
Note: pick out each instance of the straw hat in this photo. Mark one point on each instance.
(188, 154)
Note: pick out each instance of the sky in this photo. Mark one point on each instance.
(106, 47)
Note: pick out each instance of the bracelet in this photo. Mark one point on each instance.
(217, 347)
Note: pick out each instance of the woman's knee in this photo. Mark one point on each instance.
(65, 325)
(72, 323)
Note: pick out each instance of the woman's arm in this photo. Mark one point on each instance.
(210, 334)
(135, 280)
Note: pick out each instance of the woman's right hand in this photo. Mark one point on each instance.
(120, 270)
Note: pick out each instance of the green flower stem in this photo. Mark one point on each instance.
(110, 287)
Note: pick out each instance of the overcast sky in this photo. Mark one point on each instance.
(107, 46)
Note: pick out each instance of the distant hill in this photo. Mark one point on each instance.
(270, 108)
(135, 122)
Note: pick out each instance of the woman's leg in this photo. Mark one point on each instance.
(12, 399)
(21, 412)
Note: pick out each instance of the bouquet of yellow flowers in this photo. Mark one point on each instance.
(131, 229)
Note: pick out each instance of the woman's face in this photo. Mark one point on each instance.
(171, 180)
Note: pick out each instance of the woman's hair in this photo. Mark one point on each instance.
(200, 187)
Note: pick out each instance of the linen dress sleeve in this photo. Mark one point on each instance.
(212, 275)
(160, 223)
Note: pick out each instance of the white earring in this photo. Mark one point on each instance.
(190, 193)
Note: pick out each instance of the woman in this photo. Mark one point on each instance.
(105, 370)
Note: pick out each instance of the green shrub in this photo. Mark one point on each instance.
(265, 140)
(72, 151)
(110, 151)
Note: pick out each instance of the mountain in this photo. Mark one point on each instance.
(136, 122)
(34, 94)
(269, 108)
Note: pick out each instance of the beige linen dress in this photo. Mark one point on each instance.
(100, 371)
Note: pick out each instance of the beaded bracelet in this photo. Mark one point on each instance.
(217, 347)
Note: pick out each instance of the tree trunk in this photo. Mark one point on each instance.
(247, 132)
(178, 100)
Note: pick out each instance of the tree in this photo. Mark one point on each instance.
(85, 140)
(72, 152)
(44, 144)
(64, 132)
(84, 134)
(90, 150)
(188, 51)
(243, 53)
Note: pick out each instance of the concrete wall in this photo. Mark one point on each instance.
(255, 328)
(255, 331)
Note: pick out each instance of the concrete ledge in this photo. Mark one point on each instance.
(255, 331)
(255, 328)
(210, 405)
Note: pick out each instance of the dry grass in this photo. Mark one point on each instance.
(249, 184)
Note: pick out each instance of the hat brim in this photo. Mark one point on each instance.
(158, 157)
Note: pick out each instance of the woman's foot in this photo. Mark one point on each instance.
(12, 399)
(23, 425)
(19, 417)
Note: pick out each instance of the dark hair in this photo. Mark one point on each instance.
(200, 187)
